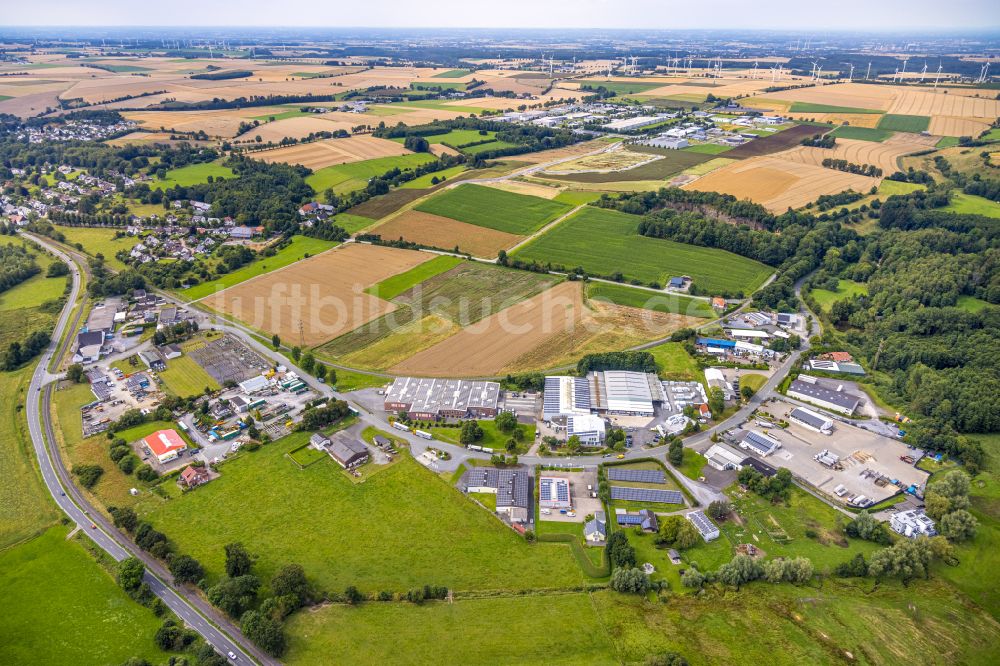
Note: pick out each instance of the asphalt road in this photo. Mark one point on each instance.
(185, 604)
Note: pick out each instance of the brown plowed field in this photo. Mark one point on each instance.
(778, 184)
(329, 152)
(883, 155)
(445, 233)
(325, 294)
(378, 207)
(774, 143)
(489, 345)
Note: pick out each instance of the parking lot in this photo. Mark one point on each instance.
(583, 504)
(866, 460)
(527, 406)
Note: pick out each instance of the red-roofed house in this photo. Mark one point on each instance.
(838, 357)
(194, 476)
(166, 445)
(704, 411)
(719, 303)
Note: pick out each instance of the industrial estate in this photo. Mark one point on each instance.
(348, 348)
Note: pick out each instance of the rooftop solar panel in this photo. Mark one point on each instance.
(640, 475)
(646, 495)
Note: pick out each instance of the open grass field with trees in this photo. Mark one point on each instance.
(970, 204)
(192, 174)
(416, 528)
(845, 289)
(673, 362)
(99, 241)
(300, 247)
(607, 243)
(69, 609)
(495, 209)
(648, 300)
(343, 178)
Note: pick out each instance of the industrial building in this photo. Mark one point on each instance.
(715, 379)
(589, 428)
(912, 523)
(707, 529)
(88, 347)
(511, 486)
(759, 443)
(347, 451)
(807, 389)
(723, 457)
(166, 445)
(810, 419)
(553, 493)
(630, 124)
(618, 392)
(429, 399)
(565, 396)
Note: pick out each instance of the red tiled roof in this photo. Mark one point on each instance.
(164, 441)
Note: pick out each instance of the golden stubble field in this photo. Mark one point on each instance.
(445, 233)
(316, 300)
(329, 152)
(883, 155)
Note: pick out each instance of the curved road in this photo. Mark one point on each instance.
(194, 611)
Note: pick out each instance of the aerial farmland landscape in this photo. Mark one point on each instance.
(536, 333)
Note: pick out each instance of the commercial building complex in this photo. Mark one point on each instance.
(553, 493)
(912, 523)
(428, 399)
(613, 392)
(511, 486)
(807, 389)
(166, 445)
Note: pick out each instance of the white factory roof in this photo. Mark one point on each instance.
(580, 424)
(747, 333)
(254, 384)
(628, 391)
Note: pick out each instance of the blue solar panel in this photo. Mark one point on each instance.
(629, 519)
(646, 495)
(641, 475)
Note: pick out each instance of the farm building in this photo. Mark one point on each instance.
(319, 440)
(807, 389)
(759, 443)
(553, 493)
(428, 399)
(588, 427)
(707, 529)
(912, 523)
(723, 457)
(166, 445)
(347, 451)
(810, 419)
(511, 486)
(596, 529)
(644, 519)
(565, 396)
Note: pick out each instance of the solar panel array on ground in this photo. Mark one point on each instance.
(646, 495)
(638, 475)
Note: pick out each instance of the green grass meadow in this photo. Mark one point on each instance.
(861, 133)
(495, 209)
(296, 250)
(809, 107)
(603, 241)
(345, 178)
(845, 289)
(397, 284)
(901, 123)
(648, 300)
(675, 363)
(970, 204)
(192, 174)
(99, 241)
(423, 182)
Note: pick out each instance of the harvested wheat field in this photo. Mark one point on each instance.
(605, 327)
(491, 344)
(224, 123)
(141, 138)
(446, 233)
(522, 187)
(296, 128)
(883, 155)
(315, 300)
(852, 95)
(951, 126)
(410, 115)
(402, 343)
(926, 103)
(566, 153)
(439, 150)
(329, 152)
(778, 184)
(853, 119)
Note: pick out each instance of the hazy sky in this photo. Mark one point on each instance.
(858, 15)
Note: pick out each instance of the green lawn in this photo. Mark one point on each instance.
(184, 377)
(192, 174)
(861, 133)
(457, 138)
(296, 250)
(577, 197)
(495, 209)
(604, 242)
(675, 363)
(809, 107)
(25, 506)
(947, 142)
(401, 528)
(62, 608)
(397, 284)
(351, 223)
(99, 241)
(692, 464)
(970, 204)
(492, 438)
(845, 289)
(423, 182)
(901, 123)
(451, 74)
(345, 178)
(991, 135)
(487, 147)
(348, 380)
(753, 380)
(707, 148)
(648, 300)
(35, 290)
(888, 188)
(971, 303)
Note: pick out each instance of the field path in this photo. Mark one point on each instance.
(548, 226)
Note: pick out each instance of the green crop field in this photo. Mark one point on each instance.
(451, 74)
(354, 176)
(707, 148)
(62, 608)
(947, 142)
(901, 123)
(99, 241)
(861, 133)
(648, 300)
(299, 248)
(577, 197)
(25, 506)
(397, 284)
(351, 223)
(623, 87)
(423, 182)
(809, 107)
(845, 289)
(495, 209)
(970, 204)
(414, 527)
(675, 363)
(192, 174)
(487, 147)
(605, 242)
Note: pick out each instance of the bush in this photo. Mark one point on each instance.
(88, 474)
(265, 632)
(128, 463)
(146, 473)
(629, 581)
